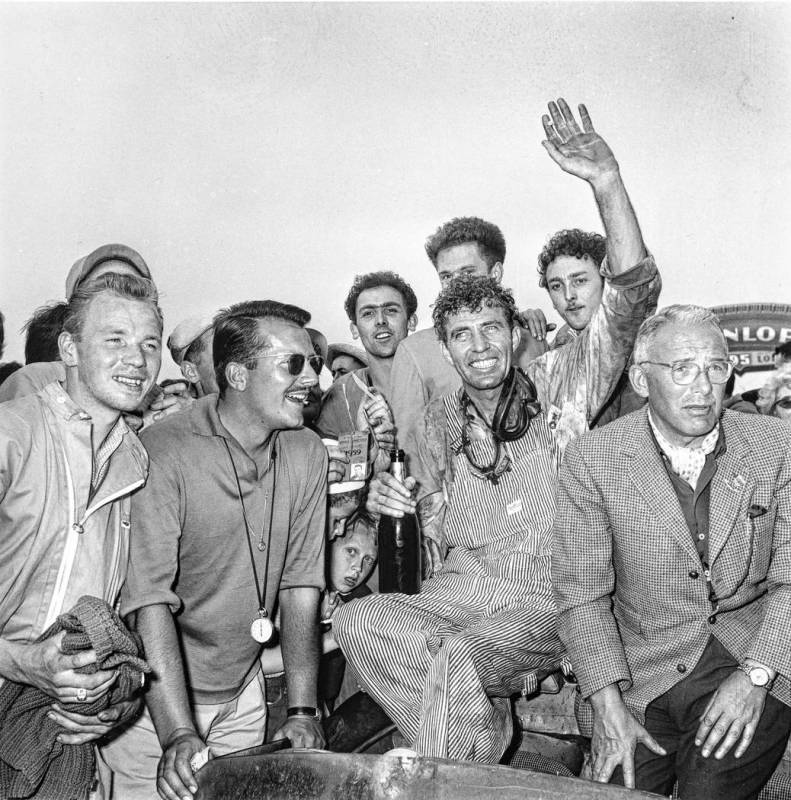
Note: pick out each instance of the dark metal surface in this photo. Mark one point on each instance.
(312, 775)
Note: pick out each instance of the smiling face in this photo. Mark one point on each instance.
(575, 287)
(114, 360)
(381, 321)
(683, 414)
(352, 559)
(273, 397)
(480, 345)
(464, 259)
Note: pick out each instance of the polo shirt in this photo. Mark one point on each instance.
(189, 543)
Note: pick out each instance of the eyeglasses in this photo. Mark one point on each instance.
(684, 373)
(785, 403)
(296, 362)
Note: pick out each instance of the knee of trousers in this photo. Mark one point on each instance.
(354, 620)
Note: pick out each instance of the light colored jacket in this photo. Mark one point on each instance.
(633, 601)
(56, 544)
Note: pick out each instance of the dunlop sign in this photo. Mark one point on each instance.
(753, 331)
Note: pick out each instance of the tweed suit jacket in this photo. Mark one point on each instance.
(632, 598)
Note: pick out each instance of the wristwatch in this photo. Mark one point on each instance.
(304, 711)
(759, 676)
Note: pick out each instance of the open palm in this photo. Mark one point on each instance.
(578, 151)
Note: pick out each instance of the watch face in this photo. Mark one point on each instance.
(759, 676)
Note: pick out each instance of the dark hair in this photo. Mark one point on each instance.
(237, 337)
(572, 242)
(783, 350)
(461, 230)
(2, 333)
(130, 287)
(42, 331)
(7, 369)
(373, 280)
(471, 293)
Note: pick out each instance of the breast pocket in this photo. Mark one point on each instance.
(761, 524)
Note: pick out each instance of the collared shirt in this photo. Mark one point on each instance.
(190, 543)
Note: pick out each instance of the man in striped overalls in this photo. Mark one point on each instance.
(443, 663)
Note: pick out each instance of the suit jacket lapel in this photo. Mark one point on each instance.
(731, 488)
(647, 472)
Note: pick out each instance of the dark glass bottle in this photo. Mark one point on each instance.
(399, 544)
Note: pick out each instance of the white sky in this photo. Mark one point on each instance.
(275, 150)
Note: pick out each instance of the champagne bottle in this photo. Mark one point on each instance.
(399, 544)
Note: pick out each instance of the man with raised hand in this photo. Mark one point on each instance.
(442, 663)
(69, 461)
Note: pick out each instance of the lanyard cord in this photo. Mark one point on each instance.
(260, 587)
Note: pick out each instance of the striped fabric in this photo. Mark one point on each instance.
(443, 663)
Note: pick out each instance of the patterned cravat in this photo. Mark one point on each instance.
(687, 462)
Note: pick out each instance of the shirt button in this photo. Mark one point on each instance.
(712, 619)
(701, 536)
(693, 573)
(681, 667)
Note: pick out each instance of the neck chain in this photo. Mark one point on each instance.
(261, 628)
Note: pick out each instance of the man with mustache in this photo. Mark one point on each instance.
(444, 663)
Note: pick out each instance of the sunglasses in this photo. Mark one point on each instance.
(295, 362)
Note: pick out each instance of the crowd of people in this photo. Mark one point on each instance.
(586, 506)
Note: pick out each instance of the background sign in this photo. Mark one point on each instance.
(753, 331)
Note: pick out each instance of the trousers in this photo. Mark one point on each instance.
(132, 758)
(444, 663)
(673, 719)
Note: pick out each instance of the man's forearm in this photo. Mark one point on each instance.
(299, 632)
(625, 246)
(166, 698)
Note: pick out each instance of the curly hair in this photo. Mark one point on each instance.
(461, 230)
(767, 394)
(572, 242)
(373, 280)
(471, 293)
(237, 337)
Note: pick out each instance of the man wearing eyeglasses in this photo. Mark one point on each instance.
(671, 565)
(228, 529)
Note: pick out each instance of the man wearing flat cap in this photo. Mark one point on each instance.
(117, 258)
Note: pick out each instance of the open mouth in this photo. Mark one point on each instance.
(131, 383)
(299, 397)
(382, 335)
(483, 364)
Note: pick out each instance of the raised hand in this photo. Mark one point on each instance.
(578, 151)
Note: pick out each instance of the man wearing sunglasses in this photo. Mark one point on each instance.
(671, 564)
(229, 529)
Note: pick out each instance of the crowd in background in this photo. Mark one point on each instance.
(238, 522)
